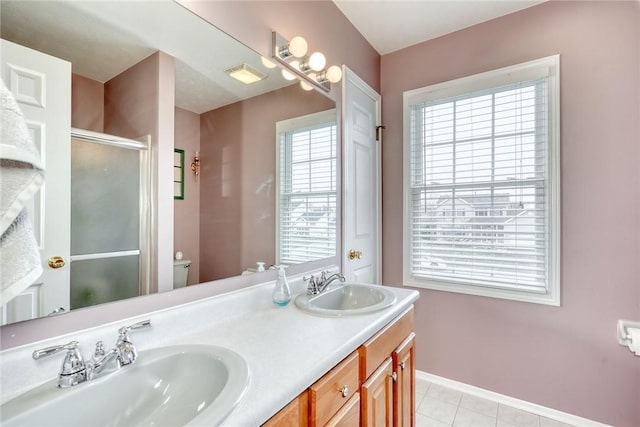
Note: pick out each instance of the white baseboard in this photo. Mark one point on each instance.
(510, 401)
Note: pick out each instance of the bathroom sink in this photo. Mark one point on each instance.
(347, 299)
(181, 385)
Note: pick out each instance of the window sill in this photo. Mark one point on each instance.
(548, 298)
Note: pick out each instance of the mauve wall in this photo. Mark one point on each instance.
(565, 357)
(186, 213)
(238, 146)
(138, 102)
(87, 103)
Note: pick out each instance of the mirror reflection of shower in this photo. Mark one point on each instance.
(109, 218)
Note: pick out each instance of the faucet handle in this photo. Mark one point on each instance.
(312, 284)
(127, 352)
(48, 351)
(125, 329)
(73, 369)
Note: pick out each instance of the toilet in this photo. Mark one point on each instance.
(180, 273)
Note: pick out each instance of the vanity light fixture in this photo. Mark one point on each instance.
(309, 69)
(317, 61)
(246, 74)
(297, 47)
(332, 74)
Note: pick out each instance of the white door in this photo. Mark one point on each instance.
(361, 177)
(41, 85)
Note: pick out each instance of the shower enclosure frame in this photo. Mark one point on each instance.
(146, 250)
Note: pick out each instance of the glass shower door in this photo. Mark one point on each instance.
(106, 198)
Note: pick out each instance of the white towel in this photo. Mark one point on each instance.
(21, 176)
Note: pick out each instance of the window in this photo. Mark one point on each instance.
(306, 227)
(486, 144)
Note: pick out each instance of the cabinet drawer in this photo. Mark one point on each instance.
(381, 345)
(326, 396)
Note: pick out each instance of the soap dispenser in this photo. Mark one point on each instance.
(281, 292)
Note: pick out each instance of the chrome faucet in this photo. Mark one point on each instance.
(100, 360)
(74, 369)
(127, 352)
(317, 285)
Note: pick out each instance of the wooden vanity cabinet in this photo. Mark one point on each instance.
(295, 414)
(387, 367)
(333, 400)
(331, 392)
(377, 397)
(348, 415)
(373, 386)
(405, 384)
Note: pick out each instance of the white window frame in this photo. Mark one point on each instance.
(289, 125)
(545, 67)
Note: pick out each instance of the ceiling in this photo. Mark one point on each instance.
(101, 39)
(390, 25)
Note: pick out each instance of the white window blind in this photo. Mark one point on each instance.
(479, 196)
(307, 188)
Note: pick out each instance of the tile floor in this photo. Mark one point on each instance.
(438, 406)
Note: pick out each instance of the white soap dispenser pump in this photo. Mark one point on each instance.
(281, 292)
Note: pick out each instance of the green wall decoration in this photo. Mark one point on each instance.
(178, 174)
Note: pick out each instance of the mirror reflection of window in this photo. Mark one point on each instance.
(307, 198)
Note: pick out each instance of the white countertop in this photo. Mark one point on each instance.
(286, 349)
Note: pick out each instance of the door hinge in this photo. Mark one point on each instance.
(378, 129)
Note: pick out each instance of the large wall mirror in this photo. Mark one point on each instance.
(260, 169)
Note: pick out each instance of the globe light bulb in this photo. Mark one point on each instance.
(334, 74)
(295, 64)
(317, 61)
(287, 75)
(267, 63)
(305, 86)
(298, 47)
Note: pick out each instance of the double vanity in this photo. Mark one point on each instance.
(234, 359)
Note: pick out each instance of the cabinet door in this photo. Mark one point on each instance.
(377, 397)
(404, 386)
(348, 415)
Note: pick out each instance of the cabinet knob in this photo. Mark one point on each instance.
(344, 390)
(402, 365)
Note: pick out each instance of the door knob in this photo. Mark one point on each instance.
(353, 254)
(56, 262)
